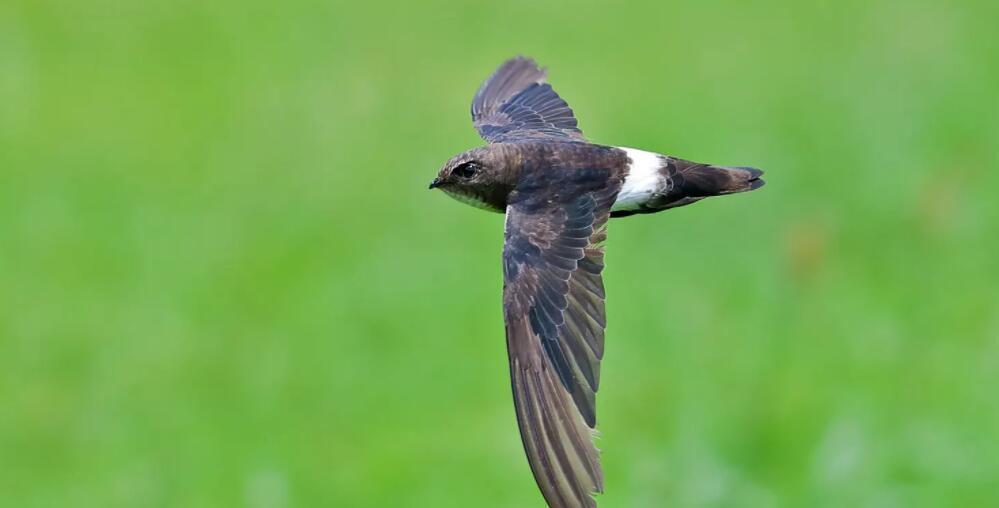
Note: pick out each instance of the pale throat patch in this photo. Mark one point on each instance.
(472, 200)
(644, 179)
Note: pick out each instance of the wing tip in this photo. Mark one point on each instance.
(566, 468)
(529, 60)
(523, 64)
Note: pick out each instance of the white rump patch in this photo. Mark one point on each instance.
(643, 180)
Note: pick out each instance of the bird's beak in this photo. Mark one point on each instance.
(436, 183)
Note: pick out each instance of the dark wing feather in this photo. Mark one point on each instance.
(516, 103)
(554, 310)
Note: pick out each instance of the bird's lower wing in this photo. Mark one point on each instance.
(554, 311)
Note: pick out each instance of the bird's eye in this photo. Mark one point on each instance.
(466, 170)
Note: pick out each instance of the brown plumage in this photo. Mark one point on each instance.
(558, 192)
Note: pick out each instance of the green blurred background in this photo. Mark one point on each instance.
(224, 283)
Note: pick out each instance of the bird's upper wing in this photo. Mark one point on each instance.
(553, 303)
(516, 103)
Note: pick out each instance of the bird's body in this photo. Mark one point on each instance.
(650, 182)
(558, 191)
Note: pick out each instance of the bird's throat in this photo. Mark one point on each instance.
(473, 200)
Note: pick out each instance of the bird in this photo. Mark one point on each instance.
(558, 191)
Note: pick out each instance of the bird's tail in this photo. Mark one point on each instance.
(694, 180)
(691, 182)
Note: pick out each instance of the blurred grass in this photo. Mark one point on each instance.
(223, 282)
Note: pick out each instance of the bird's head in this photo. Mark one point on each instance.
(479, 177)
